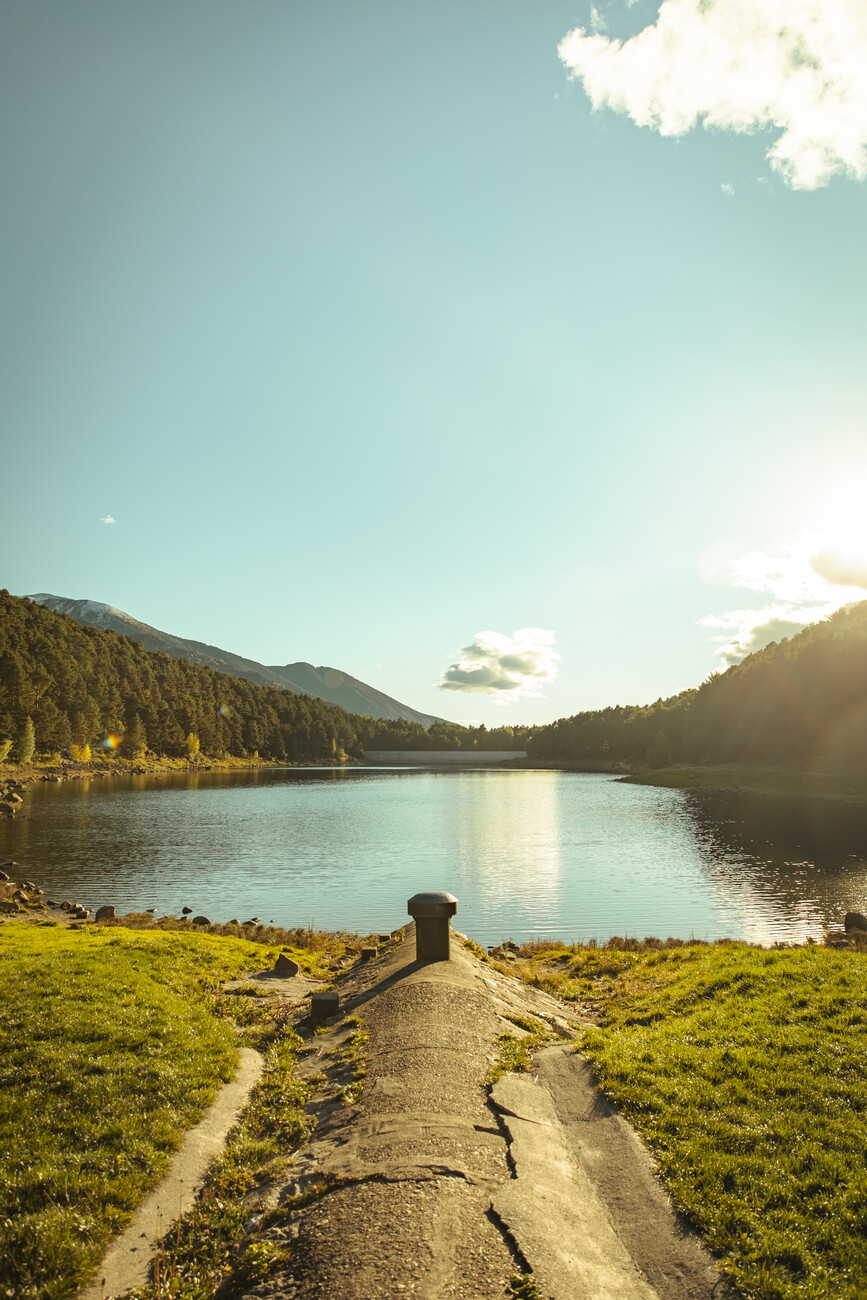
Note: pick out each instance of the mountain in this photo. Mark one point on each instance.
(323, 683)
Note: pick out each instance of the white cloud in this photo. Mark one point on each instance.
(108, 519)
(804, 586)
(796, 66)
(513, 667)
(842, 568)
(728, 189)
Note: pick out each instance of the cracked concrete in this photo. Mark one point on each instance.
(426, 1186)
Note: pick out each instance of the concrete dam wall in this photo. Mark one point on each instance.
(442, 757)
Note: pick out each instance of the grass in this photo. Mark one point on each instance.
(220, 1245)
(218, 1242)
(112, 1043)
(515, 1050)
(744, 1069)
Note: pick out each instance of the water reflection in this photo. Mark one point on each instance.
(782, 867)
(572, 855)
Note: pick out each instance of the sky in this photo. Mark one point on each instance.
(507, 356)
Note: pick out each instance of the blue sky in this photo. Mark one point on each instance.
(373, 328)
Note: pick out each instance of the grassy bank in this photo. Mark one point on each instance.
(756, 779)
(112, 1043)
(743, 1068)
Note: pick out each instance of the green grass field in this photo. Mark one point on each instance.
(744, 1070)
(112, 1043)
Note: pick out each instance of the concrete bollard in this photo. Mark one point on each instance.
(324, 1005)
(431, 913)
(368, 954)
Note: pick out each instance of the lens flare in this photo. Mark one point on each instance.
(111, 741)
(225, 711)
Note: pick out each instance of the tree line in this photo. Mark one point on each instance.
(69, 689)
(798, 702)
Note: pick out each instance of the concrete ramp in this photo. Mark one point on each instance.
(425, 1185)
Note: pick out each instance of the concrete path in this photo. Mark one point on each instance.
(128, 1260)
(425, 1186)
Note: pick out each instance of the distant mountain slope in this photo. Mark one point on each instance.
(329, 684)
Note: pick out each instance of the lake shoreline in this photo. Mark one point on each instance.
(768, 781)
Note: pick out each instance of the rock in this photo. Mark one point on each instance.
(285, 966)
(234, 921)
(854, 921)
(151, 911)
(106, 912)
(185, 911)
(367, 954)
(9, 905)
(201, 920)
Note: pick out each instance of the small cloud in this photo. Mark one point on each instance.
(108, 519)
(751, 636)
(507, 667)
(728, 189)
(597, 22)
(797, 67)
(841, 568)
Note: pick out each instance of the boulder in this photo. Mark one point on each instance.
(201, 920)
(9, 905)
(854, 921)
(106, 912)
(285, 966)
(186, 911)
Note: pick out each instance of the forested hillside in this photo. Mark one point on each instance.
(67, 689)
(799, 702)
(83, 687)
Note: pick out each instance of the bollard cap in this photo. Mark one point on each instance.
(432, 904)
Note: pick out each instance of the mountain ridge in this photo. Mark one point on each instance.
(302, 678)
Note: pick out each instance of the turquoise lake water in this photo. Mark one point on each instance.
(528, 854)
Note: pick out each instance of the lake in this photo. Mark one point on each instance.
(528, 854)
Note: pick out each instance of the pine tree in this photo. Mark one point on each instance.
(135, 742)
(26, 746)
